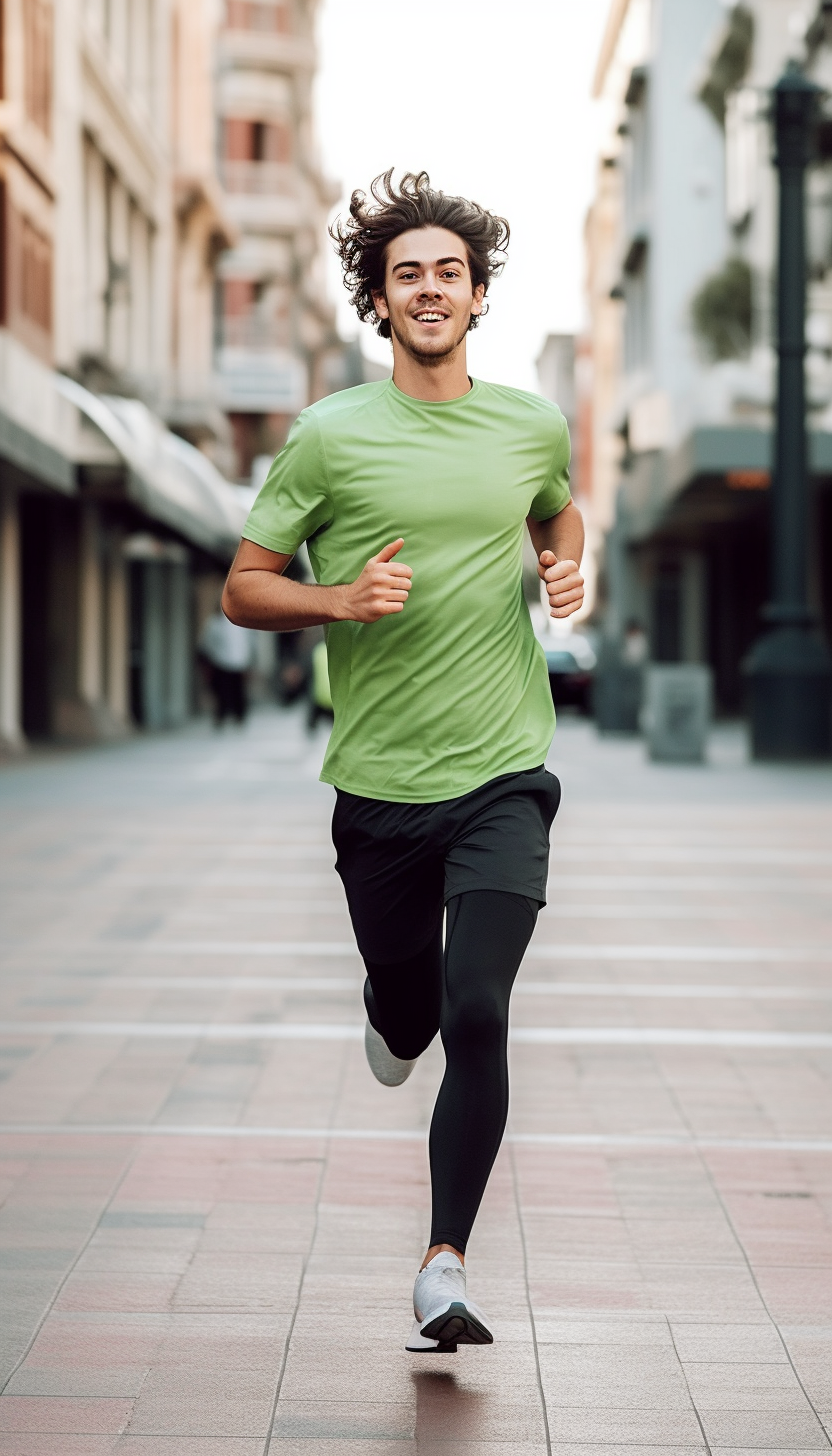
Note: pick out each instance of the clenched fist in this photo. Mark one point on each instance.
(564, 584)
(382, 587)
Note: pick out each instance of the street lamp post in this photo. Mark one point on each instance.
(789, 669)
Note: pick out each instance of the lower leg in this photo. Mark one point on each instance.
(403, 999)
(487, 935)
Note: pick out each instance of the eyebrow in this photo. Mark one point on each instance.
(440, 263)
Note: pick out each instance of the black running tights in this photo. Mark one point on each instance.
(463, 994)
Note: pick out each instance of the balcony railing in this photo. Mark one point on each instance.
(251, 331)
(262, 380)
(260, 179)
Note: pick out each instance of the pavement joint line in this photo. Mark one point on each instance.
(739, 954)
(626, 1036)
(645, 990)
(658, 1141)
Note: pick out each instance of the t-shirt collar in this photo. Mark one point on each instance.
(435, 404)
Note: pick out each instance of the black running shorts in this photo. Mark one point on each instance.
(399, 863)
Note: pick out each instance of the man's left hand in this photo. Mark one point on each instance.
(564, 584)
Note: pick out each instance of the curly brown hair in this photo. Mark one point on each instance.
(362, 241)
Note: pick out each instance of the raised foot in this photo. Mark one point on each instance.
(417, 1344)
(457, 1323)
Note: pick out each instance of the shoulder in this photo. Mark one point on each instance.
(337, 409)
(532, 409)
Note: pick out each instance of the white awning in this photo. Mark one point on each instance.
(168, 479)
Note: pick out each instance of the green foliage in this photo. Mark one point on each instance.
(730, 62)
(721, 311)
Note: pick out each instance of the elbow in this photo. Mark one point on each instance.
(228, 607)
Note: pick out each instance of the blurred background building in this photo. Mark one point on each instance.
(277, 345)
(680, 268)
(162, 319)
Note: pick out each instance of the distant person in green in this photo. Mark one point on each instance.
(413, 496)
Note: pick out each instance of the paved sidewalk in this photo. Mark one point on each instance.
(212, 1214)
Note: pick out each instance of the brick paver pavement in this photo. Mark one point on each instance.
(212, 1215)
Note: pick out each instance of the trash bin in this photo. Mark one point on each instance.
(676, 716)
(616, 697)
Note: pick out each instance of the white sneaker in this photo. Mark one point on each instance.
(442, 1307)
(386, 1068)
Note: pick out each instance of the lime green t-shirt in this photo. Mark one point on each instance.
(435, 700)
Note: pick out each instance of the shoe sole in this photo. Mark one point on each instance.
(456, 1323)
(417, 1344)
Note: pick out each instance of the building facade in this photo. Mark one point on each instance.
(681, 258)
(277, 345)
(112, 225)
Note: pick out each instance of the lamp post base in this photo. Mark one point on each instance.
(789, 673)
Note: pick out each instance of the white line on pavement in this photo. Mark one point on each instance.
(217, 912)
(217, 983)
(624, 852)
(725, 953)
(632, 1036)
(722, 884)
(324, 948)
(188, 1030)
(644, 990)
(676, 993)
(667, 1036)
(635, 1141)
(538, 951)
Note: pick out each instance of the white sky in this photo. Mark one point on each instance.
(493, 100)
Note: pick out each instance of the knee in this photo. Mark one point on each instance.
(475, 1024)
(407, 1034)
(409, 1043)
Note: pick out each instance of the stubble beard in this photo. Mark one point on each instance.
(432, 357)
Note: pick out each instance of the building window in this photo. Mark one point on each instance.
(37, 51)
(742, 154)
(238, 297)
(257, 156)
(26, 282)
(35, 276)
(262, 15)
(256, 141)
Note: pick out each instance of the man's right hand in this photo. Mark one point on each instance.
(381, 589)
(257, 594)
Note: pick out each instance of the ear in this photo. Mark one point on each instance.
(479, 295)
(380, 304)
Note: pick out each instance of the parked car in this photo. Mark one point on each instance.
(571, 662)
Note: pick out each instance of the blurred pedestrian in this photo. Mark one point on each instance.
(443, 714)
(320, 692)
(228, 651)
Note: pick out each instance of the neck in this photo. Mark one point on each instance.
(433, 380)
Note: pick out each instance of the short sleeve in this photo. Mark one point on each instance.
(554, 493)
(294, 502)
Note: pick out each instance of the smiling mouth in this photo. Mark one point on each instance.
(430, 316)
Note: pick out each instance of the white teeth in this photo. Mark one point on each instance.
(430, 318)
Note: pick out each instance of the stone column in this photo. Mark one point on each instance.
(90, 604)
(11, 728)
(118, 635)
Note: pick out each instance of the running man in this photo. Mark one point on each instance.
(443, 714)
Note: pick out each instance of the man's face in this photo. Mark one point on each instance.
(428, 295)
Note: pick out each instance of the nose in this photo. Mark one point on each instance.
(430, 288)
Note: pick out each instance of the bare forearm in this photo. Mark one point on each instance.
(274, 603)
(562, 534)
(257, 594)
(559, 543)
